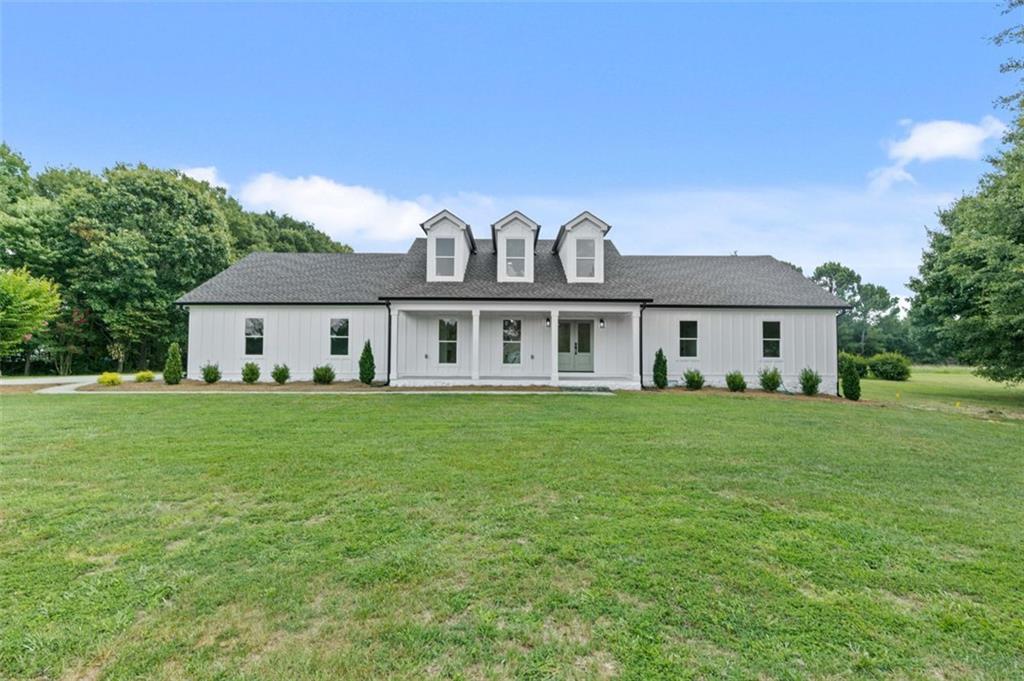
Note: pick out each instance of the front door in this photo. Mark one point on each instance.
(576, 346)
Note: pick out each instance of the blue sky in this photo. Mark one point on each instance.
(810, 132)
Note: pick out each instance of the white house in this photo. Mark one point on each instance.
(514, 309)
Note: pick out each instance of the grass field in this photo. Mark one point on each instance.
(636, 536)
(948, 389)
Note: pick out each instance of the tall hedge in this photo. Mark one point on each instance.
(367, 368)
(172, 368)
(851, 381)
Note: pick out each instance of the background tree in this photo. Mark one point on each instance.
(26, 304)
(873, 322)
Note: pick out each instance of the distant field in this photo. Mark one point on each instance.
(948, 389)
(655, 535)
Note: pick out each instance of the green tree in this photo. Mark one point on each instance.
(367, 367)
(837, 279)
(26, 304)
(15, 181)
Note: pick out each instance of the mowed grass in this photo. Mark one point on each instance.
(950, 389)
(655, 535)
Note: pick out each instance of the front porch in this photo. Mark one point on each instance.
(461, 343)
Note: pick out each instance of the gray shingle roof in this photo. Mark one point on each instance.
(691, 281)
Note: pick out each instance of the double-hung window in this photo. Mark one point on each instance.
(687, 339)
(511, 341)
(447, 341)
(771, 339)
(254, 335)
(515, 257)
(444, 257)
(585, 255)
(339, 336)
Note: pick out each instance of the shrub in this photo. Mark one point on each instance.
(735, 382)
(770, 379)
(144, 377)
(851, 381)
(367, 368)
(324, 374)
(693, 379)
(890, 366)
(250, 372)
(810, 381)
(660, 369)
(109, 378)
(172, 367)
(281, 373)
(211, 373)
(860, 365)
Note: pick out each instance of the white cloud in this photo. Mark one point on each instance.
(933, 141)
(206, 174)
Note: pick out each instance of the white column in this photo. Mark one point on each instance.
(554, 346)
(637, 350)
(474, 359)
(393, 364)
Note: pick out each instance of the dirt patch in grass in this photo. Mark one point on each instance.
(189, 385)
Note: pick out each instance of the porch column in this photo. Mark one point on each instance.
(474, 358)
(393, 364)
(638, 351)
(554, 346)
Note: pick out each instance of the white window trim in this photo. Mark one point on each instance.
(509, 258)
(779, 339)
(439, 258)
(451, 342)
(262, 336)
(331, 336)
(591, 258)
(516, 342)
(695, 339)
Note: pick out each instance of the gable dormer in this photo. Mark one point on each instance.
(515, 241)
(580, 247)
(449, 244)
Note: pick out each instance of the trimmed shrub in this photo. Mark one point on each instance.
(851, 382)
(693, 379)
(281, 373)
(323, 375)
(810, 381)
(109, 378)
(211, 373)
(860, 364)
(172, 367)
(890, 366)
(144, 377)
(367, 368)
(250, 372)
(735, 382)
(660, 369)
(770, 379)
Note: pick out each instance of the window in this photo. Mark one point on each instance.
(447, 341)
(771, 339)
(511, 341)
(254, 335)
(339, 336)
(444, 257)
(687, 339)
(515, 257)
(585, 249)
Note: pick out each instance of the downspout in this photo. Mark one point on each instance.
(387, 304)
(643, 306)
(838, 377)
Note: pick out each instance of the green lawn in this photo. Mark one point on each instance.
(949, 389)
(566, 536)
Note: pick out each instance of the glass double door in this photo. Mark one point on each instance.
(576, 346)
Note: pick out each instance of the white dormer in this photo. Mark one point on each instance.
(580, 247)
(449, 244)
(515, 238)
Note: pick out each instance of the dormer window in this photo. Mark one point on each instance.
(515, 258)
(444, 260)
(585, 256)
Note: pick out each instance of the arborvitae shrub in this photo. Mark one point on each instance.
(735, 382)
(323, 375)
(367, 368)
(810, 381)
(144, 377)
(770, 379)
(860, 364)
(211, 373)
(172, 367)
(693, 379)
(851, 382)
(281, 373)
(660, 369)
(890, 366)
(109, 378)
(250, 372)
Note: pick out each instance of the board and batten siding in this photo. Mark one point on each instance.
(298, 336)
(730, 340)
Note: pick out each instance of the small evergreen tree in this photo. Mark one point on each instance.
(770, 379)
(172, 368)
(851, 382)
(367, 369)
(810, 381)
(660, 369)
(281, 373)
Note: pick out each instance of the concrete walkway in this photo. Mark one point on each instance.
(61, 384)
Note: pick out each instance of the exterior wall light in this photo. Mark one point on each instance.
(600, 322)
(547, 322)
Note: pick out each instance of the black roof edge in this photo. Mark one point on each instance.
(183, 304)
(754, 307)
(523, 300)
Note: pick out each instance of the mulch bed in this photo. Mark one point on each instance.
(294, 386)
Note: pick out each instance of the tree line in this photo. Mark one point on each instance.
(120, 246)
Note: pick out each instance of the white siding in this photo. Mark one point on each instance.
(298, 336)
(730, 340)
(567, 252)
(446, 228)
(515, 229)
